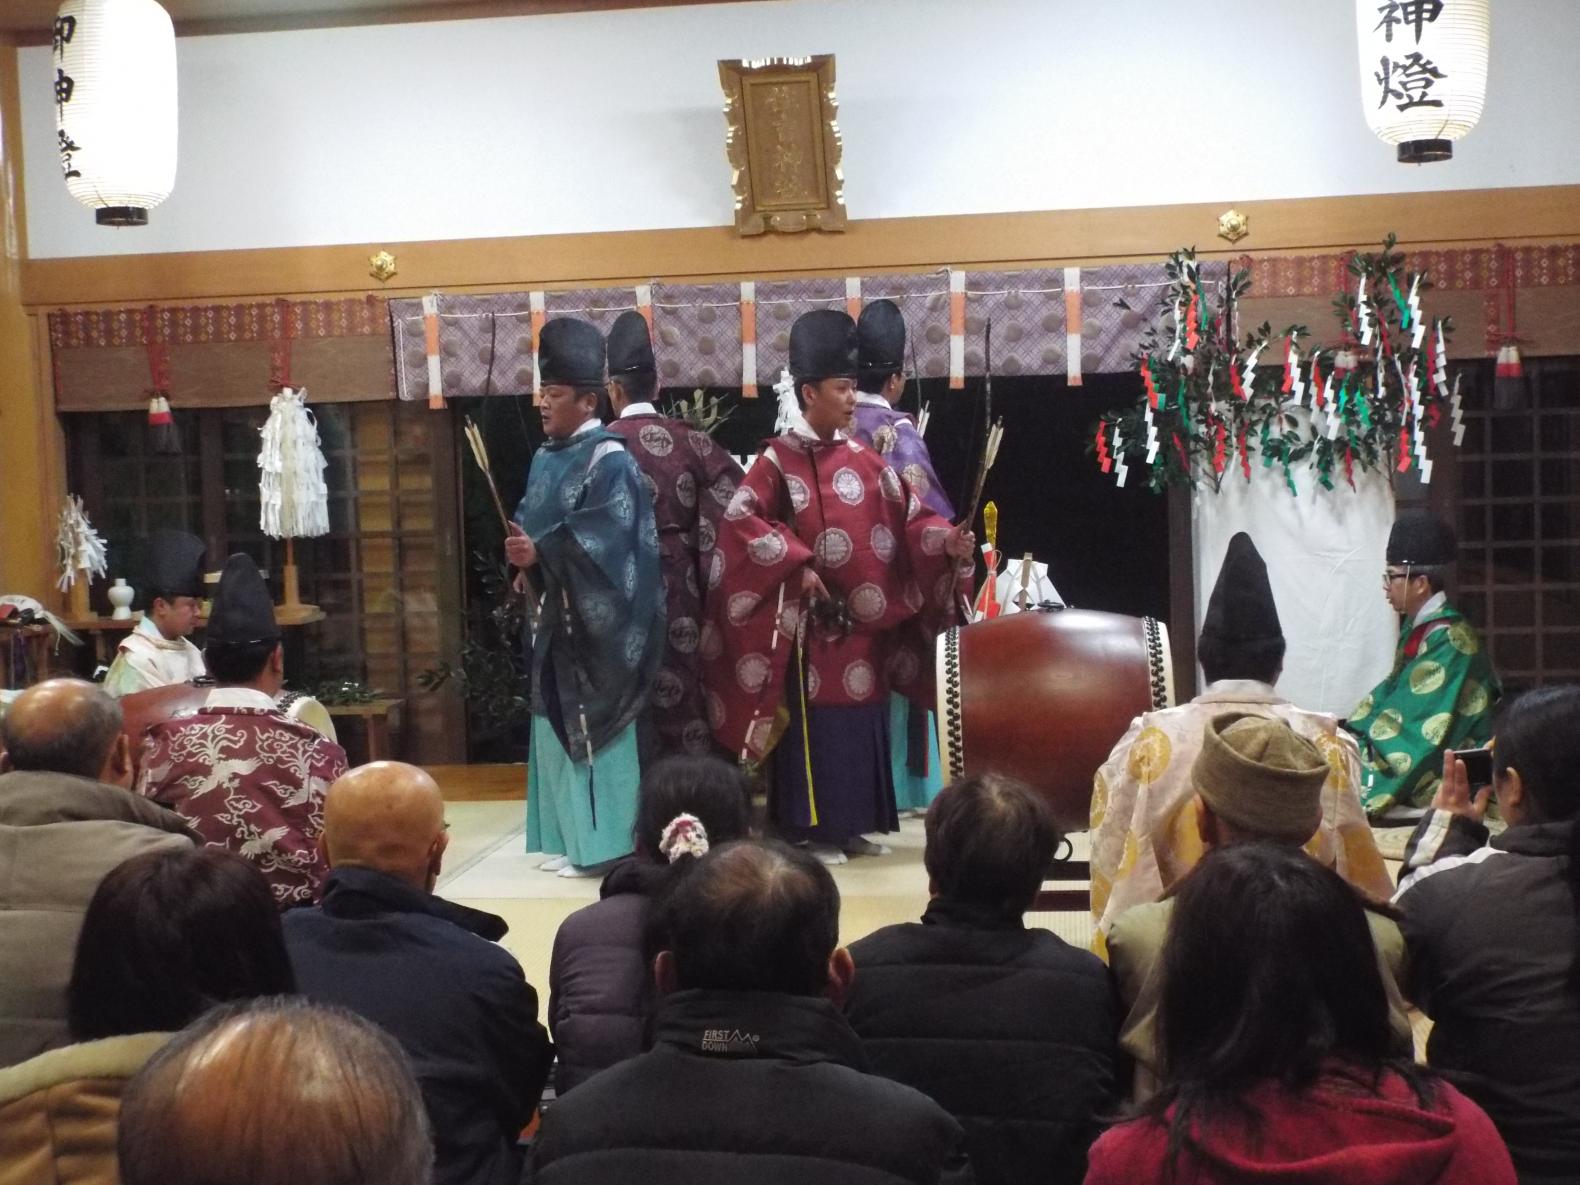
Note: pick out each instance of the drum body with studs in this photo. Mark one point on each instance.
(1044, 696)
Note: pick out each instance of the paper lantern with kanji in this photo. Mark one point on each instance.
(115, 106)
(1423, 72)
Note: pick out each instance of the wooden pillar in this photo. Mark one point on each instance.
(32, 453)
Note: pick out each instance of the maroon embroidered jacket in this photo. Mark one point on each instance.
(837, 506)
(250, 780)
(691, 480)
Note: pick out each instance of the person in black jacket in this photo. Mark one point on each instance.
(1490, 929)
(424, 969)
(754, 1074)
(600, 986)
(1010, 1029)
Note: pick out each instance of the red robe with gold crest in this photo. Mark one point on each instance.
(837, 506)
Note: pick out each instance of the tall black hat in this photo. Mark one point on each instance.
(1241, 608)
(243, 613)
(1420, 539)
(630, 345)
(881, 333)
(823, 346)
(174, 566)
(571, 352)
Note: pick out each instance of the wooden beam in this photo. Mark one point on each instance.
(1290, 226)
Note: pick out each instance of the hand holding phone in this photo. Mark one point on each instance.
(1457, 793)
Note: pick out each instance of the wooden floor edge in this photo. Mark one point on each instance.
(481, 782)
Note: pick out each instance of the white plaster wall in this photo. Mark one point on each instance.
(521, 125)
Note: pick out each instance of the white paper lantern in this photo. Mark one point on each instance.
(115, 104)
(1423, 71)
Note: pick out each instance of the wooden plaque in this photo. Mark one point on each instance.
(783, 142)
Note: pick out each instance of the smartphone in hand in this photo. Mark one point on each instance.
(1478, 765)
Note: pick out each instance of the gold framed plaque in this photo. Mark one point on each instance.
(782, 138)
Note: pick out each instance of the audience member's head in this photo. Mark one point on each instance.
(754, 916)
(276, 1092)
(387, 816)
(1241, 637)
(66, 726)
(170, 934)
(1535, 756)
(990, 841)
(712, 791)
(1269, 972)
(1257, 778)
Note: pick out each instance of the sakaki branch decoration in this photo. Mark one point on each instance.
(1216, 406)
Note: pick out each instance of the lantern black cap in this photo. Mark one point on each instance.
(1420, 539)
(1241, 609)
(630, 345)
(243, 613)
(174, 567)
(571, 352)
(823, 346)
(881, 335)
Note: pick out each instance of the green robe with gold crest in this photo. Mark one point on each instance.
(1440, 696)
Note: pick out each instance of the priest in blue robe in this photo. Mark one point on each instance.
(584, 533)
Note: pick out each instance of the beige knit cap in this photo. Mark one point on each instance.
(1261, 777)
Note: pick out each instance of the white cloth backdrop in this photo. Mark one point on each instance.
(1324, 551)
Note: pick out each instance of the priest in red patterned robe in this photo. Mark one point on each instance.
(691, 480)
(828, 585)
(238, 770)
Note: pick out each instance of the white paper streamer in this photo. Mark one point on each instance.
(1456, 414)
(78, 547)
(1248, 373)
(1363, 312)
(1440, 374)
(1179, 330)
(1152, 436)
(1297, 387)
(293, 499)
(1413, 303)
(1120, 468)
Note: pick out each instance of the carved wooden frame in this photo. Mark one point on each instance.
(782, 139)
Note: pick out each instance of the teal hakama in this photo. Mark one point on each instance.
(598, 644)
(912, 791)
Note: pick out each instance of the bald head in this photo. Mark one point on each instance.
(388, 816)
(63, 726)
(276, 1092)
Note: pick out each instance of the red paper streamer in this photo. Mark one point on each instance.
(1184, 456)
(1146, 378)
(1235, 384)
(1289, 374)
(1104, 459)
(1349, 465)
(1245, 453)
(1220, 448)
(1433, 414)
(1316, 383)
(1404, 449)
(1193, 321)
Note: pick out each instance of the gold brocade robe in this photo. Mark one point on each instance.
(1143, 826)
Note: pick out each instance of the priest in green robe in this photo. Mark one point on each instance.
(1442, 690)
(585, 533)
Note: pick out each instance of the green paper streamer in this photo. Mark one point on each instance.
(1264, 447)
(1365, 408)
(1398, 299)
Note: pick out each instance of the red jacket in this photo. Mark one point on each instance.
(1332, 1134)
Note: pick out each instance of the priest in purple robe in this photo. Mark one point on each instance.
(892, 433)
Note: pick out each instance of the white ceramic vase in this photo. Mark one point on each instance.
(121, 594)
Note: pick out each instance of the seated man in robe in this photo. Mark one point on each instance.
(242, 773)
(1144, 835)
(1254, 779)
(158, 651)
(1441, 692)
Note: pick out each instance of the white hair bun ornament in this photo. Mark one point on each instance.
(684, 836)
